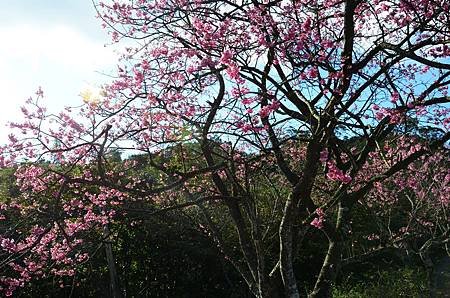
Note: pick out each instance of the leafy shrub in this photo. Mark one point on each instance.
(402, 282)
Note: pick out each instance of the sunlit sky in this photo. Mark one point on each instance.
(56, 44)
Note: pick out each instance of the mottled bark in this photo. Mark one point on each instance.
(286, 258)
(332, 262)
(298, 205)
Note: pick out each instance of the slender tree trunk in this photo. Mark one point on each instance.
(114, 279)
(286, 257)
(332, 262)
(298, 205)
(328, 272)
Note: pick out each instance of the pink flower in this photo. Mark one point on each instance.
(233, 71)
(336, 174)
(39, 92)
(313, 73)
(266, 110)
(324, 155)
(247, 101)
(317, 222)
(320, 212)
(394, 97)
(227, 55)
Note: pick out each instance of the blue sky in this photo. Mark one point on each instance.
(56, 44)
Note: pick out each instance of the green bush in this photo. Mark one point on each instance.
(403, 282)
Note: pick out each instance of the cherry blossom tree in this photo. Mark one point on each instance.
(311, 101)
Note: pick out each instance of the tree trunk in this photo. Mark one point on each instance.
(286, 257)
(332, 262)
(328, 273)
(114, 279)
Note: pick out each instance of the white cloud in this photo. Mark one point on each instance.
(57, 57)
(58, 44)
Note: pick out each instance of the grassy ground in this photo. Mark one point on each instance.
(404, 282)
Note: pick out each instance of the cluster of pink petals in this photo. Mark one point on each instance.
(334, 173)
(318, 221)
(266, 110)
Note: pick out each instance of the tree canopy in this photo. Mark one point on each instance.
(273, 122)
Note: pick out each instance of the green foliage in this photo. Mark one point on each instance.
(8, 187)
(164, 256)
(168, 257)
(172, 254)
(402, 282)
